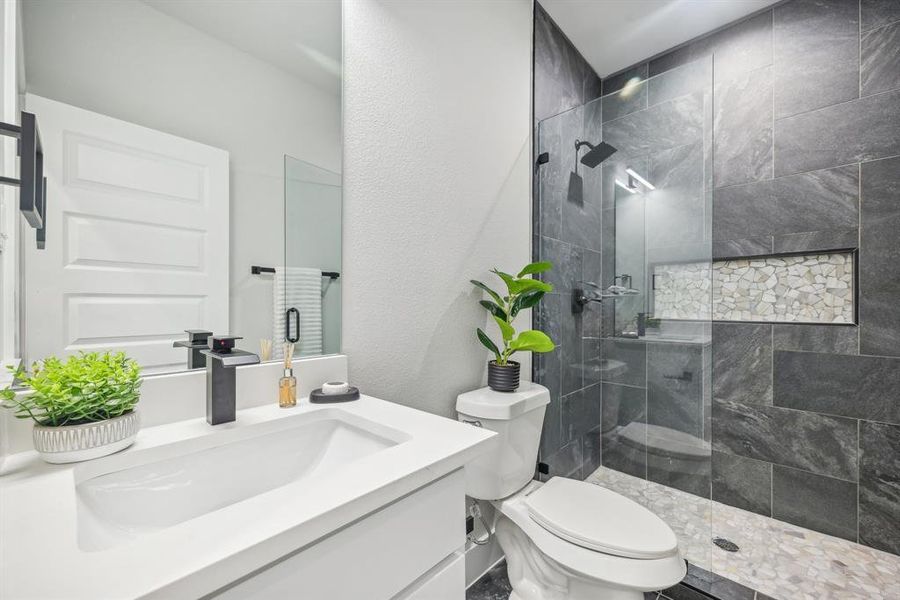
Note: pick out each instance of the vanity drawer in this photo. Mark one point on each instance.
(446, 581)
(376, 557)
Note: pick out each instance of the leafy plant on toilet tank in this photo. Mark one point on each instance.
(82, 407)
(522, 292)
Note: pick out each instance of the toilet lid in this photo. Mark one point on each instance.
(599, 519)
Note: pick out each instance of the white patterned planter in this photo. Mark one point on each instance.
(73, 443)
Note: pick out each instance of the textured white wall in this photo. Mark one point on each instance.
(436, 187)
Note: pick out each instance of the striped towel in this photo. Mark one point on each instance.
(300, 288)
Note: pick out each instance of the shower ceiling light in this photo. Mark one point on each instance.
(646, 183)
(625, 187)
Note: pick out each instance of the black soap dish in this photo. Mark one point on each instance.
(318, 397)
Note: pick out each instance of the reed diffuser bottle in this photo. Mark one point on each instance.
(287, 385)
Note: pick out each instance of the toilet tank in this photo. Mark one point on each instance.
(518, 418)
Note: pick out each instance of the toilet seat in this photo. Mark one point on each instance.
(599, 519)
(619, 571)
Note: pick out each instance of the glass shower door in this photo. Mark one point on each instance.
(311, 286)
(655, 342)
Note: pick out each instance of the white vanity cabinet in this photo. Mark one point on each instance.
(409, 550)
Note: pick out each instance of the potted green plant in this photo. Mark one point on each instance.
(82, 408)
(522, 292)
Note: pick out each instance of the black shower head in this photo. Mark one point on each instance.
(597, 154)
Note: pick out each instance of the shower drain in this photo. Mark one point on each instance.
(726, 545)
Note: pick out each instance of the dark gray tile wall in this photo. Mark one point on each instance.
(879, 486)
(562, 77)
(568, 221)
(742, 482)
(879, 259)
(816, 54)
(813, 501)
(805, 419)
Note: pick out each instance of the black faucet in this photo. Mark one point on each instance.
(221, 396)
(197, 342)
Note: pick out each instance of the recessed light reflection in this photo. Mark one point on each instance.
(646, 183)
(625, 187)
(631, 86)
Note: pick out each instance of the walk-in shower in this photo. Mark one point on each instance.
(722, 300)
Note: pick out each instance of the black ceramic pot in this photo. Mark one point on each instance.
(503, 378)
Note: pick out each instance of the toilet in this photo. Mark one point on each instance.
(563, 539)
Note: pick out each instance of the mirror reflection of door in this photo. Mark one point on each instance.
(137, 239)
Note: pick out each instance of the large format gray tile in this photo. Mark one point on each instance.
(819, 503)
(748, 211)
(879, 486)
(742, 482)
(691, 476)
(815, 202)
(566, 259)
(592, 446)
(876, 13)
(880, 59)
(593, 85)
(678, 207)
(879, 259)
(816, 55)
(622, 406)
(667, 125)
(816, 338)
(861, 387)
(855, 131)
(741, 48)
(675, 387)
(551, 434)
(580, 412)
(630, 367)
(558, 69)
(755, 246)
(695, 76)
(550, 178)
(567, 461)
(571, 354)
(815, 241)
(631, 98)
(742, 362)
(743, 129)
(818, 443)
(547, 318)
(592, 270)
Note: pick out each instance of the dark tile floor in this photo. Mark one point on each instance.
(494, 585)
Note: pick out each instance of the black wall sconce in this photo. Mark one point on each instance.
(31, 183)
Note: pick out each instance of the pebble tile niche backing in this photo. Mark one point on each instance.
(812, 288)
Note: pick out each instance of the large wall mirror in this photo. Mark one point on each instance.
(192, 150)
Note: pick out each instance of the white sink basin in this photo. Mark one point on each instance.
(182, 481)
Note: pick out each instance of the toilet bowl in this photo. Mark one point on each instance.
(563, 539)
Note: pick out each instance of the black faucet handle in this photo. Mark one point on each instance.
(198, 335)
(223, 344)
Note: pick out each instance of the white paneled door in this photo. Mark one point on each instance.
(137, 239)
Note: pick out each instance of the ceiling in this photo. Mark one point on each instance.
(302, 37)
(615, 34)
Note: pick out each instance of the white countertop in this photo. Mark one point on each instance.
(39, 553)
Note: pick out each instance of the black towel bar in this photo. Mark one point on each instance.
(257, 270)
